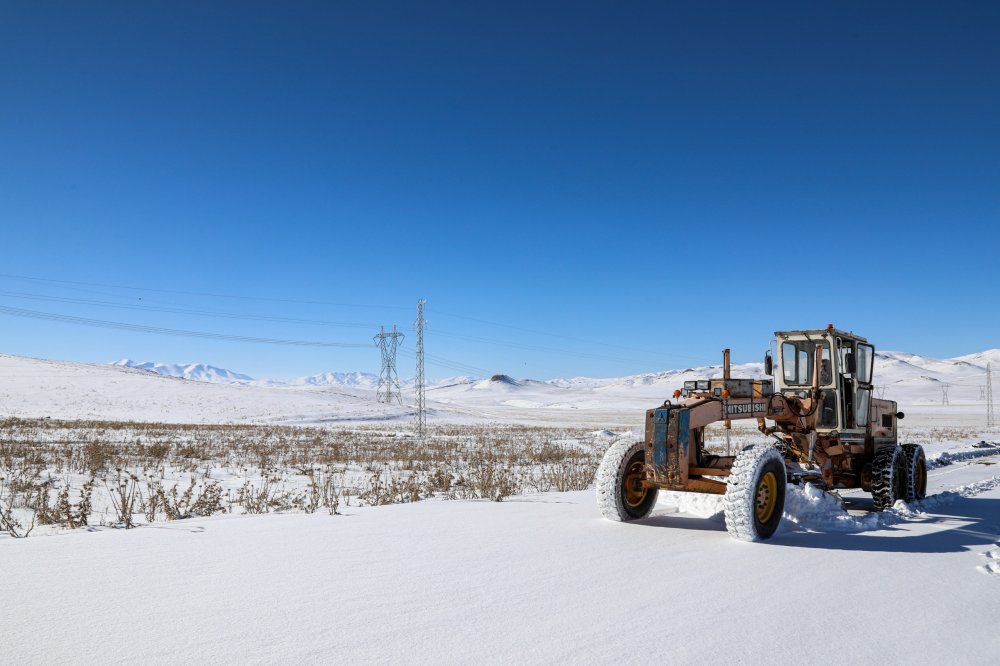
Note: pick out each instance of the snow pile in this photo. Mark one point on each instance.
(702, 505)
(810, 508)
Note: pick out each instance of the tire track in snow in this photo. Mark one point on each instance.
(992, 565)
(947, 458)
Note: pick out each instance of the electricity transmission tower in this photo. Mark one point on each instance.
(982, 393)
(881, 390)
(944, 394)
(991, 419)
(388, 380)
(420, 382)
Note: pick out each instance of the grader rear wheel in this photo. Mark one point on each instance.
(916, 472)
(621, 494)
(889, 477)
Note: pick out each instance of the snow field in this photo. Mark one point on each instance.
(537, 579)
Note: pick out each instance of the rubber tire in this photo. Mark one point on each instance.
(610, 488)
(915, 462)
(739, 502)
(889, 472)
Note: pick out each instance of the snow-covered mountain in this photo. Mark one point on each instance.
(199, 372)
(359, 379)
(202, 372)
(980, 359)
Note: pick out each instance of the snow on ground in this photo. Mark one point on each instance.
(536, 579)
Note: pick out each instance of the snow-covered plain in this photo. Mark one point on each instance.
(537, 578)
(200, 393)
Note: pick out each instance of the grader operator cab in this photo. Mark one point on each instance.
(826, 428)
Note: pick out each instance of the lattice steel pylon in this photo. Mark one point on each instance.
(991, 419)
(388, 380)
(420, 383)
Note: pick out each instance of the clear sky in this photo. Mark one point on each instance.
(576, 188)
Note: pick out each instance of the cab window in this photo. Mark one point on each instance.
(797, 360)
(866, 357)
(861, 412)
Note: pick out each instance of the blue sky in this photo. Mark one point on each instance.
(576, 188)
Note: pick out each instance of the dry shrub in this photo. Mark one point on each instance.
(171, 471)
(124, 493)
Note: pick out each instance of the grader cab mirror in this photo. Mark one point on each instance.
(768, 364)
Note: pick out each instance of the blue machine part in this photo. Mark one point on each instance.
(671, 434)
(660, 421)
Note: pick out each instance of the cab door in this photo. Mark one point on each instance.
(855, 361)
(864, 363)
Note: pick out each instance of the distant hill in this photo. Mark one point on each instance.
(199, 372)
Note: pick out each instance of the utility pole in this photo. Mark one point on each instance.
(991, 419)
(944, 394)
(420, 382)
(388, 380)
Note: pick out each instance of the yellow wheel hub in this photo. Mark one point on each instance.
(632, 488)
(767, 496)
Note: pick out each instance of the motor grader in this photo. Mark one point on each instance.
(822, 426)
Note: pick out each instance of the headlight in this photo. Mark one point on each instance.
(703, 385)
(690, 386)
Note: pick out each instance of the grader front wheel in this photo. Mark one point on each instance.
(755, 493)
(621, 493)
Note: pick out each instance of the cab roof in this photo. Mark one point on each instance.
(816, 332)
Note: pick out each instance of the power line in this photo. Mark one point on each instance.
(160, 330)
(566, 337)
(457, 366)
(173, 310)
(199, 293)
(553, 350)
(210, 313)
(293, 320)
